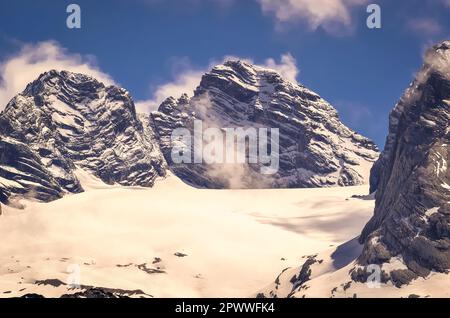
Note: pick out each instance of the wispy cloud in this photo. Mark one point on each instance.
(184, 83)
(187, 79)
(424, 26)
(287, 67)
(34, 59)
(317, 13)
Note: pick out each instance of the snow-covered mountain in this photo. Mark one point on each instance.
(67, 133)
(316, 149)
(405, 247)
(63, 122)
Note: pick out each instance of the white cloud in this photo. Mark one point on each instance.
(315, 13)
(187, 80)
(34, 59)
(287, 67)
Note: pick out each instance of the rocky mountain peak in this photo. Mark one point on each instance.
(65, 121)
(316, 149)
(437, 59)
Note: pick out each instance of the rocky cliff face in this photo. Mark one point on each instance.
(411, 179)
(316, 149)
(408, 236)
(65, 121)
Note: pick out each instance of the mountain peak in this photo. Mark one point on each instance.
(247, 69)
(237, 63)
(54, 78)
(316, 149)
(65, 121)
(436, 62)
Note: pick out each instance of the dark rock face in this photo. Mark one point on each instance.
(21, 171)
(65, 121)
(316, 149)
(94, 293)
(305, 273)
(411, 180)
(33, 296)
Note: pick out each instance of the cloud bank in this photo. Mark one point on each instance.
(317, 13)
(34, 59)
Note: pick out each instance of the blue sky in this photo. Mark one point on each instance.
(146, 44)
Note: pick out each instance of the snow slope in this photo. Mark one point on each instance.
(329, 276)
(228, 243)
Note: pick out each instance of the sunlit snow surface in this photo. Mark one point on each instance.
(228, 243)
